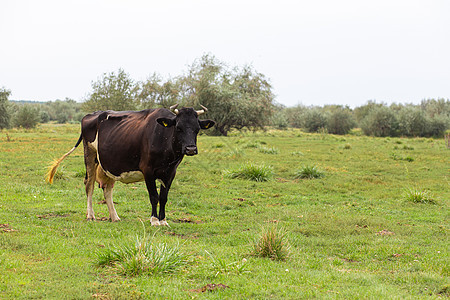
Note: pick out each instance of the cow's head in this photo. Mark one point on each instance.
(187, 125)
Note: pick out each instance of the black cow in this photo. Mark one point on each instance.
(131, 146)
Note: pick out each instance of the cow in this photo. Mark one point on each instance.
(132, 146)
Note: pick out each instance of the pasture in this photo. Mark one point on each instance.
(356, 232)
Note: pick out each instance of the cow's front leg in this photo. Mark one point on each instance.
(154, 198)
(164, 191)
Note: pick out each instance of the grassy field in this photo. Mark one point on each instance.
(375, 225)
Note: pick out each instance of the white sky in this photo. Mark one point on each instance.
(314, 52)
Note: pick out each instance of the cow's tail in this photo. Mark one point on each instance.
(55, 164)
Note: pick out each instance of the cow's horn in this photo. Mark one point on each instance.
(199, 112)
(174, 108)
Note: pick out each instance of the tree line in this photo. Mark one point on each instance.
(237, 98)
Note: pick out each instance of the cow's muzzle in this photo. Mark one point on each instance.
(190, 150)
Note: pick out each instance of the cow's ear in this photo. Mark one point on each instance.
(166, 122)
(205, 124)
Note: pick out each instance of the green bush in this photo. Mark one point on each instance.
(412, 122)
(26, 117)
(380, 121)
(315, 120)
(340, 122)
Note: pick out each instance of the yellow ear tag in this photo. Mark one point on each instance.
(206, 126)
(165, 124)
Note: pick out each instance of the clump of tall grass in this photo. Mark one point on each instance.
(60, 174)
(309, 172)
(251, 171)
(417, 196)
(272, 243)
(267, 150)
(221, 266)
(143, 257)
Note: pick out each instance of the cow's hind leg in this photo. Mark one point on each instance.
(91, 163)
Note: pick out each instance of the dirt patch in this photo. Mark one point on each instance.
(210, 287)
(385, 232)
(187, 220)
(52, 215)
(6, 228)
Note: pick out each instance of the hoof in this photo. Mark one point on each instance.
(154, 221)
(163, 223)
(115, 220)
(90, 218)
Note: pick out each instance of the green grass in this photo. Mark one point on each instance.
(352, 234)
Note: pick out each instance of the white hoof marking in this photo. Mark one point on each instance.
(164, 223)
(154, 221)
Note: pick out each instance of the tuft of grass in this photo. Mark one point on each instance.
(417, 196)
(267, 150)
(221, 266)
(60, 174)
(299, 153)
(309, 172)
(251, 171)
(80, 174)
(143, 257)
(272, 244)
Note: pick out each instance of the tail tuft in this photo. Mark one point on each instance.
(55, 164)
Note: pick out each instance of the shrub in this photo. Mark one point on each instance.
(309, 172)
(143, 257)
(380, 121)
(412, 122)
(340, 122)
(315, 120)
(272, 244)
(26, 117)
(437, 126)
(251, 171)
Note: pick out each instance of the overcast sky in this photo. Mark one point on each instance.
(313, 52)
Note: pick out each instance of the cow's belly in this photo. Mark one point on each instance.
(127, 177)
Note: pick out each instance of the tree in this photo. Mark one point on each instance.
(412, 121)
(156, 93)
(340, 121)
(236, 98)
(380, 121)
(113, 91)
(315, 120)
(4, 110)
(27, 116)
